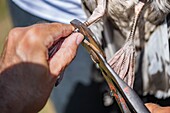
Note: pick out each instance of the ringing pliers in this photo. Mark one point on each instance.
(130, 98)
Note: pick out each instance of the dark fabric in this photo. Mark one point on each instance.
(21, 18)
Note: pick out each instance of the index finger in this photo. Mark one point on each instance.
(47, 33)
(58, 30)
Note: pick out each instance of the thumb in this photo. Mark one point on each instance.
(65, 54)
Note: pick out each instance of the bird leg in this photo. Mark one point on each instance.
(138, 9)
(97, 13)
(123, 62)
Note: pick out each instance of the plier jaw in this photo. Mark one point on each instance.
(90, 42)
(131, 99)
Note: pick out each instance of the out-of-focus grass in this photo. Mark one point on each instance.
(5, 22)
(49, 107)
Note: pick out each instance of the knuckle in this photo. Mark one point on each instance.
(32, 34)
(56, 71)
(14, 33)
(33, 31)
(59, 69)
(13, 38)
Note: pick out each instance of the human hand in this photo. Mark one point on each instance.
(27, 74)
(154, 108)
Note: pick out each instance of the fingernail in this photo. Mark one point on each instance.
(79, 39)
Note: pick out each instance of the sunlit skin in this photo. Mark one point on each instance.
(154, 108)
(27, 75)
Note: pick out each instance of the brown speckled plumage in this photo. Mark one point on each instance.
(117, 22)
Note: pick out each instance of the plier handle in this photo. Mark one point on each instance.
(132, 100)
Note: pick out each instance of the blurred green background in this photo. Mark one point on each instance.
(5, 26)
(5, 22)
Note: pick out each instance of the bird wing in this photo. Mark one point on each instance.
(156, 67)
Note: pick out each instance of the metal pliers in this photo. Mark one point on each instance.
(132, 100)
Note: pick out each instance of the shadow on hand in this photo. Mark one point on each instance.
(25, 86)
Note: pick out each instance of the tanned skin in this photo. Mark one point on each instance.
(27, 74)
